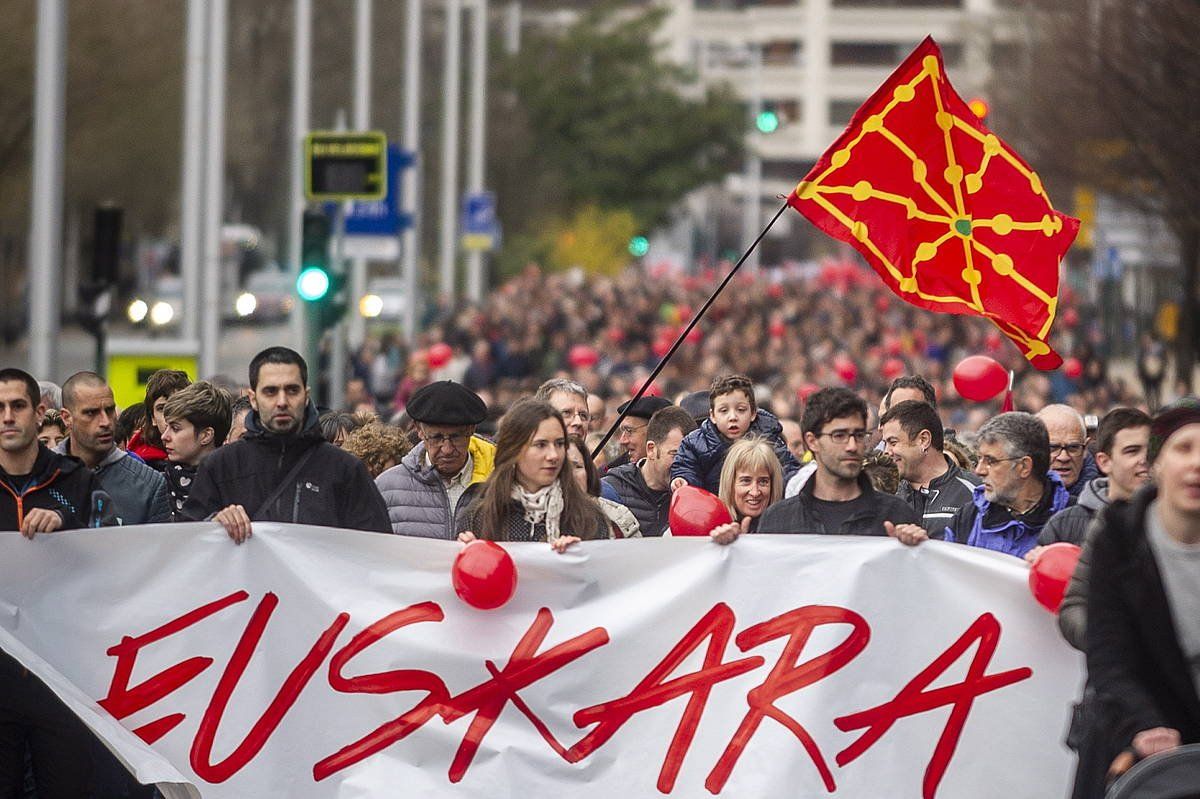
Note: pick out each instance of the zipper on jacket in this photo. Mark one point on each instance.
(296, 505)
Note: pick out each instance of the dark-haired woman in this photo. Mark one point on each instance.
(531, 495)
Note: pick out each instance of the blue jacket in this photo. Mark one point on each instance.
(1088, 472)
(702, 452)
(987, 526)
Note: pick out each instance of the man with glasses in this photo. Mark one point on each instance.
(1069, 456)
(424, 490)
(839, 499)
(632, 431)
(1019, 492)
(571, 400)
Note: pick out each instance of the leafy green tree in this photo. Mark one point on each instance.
(593, 116)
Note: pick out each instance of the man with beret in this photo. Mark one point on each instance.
(632, 431)
(424, 490)
(1143, 610)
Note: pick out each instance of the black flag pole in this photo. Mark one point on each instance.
(688, 329)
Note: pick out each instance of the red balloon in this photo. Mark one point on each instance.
(1073, 368)
(846, 370)
(979, 378)
(661, 346)
(685, 313)
(882, 303)
(892, 345)
(694, 336)
(777, 328)
(484, 575)
(440, 355)
(893, 368)
(696, 512)
(993, 341)
(1070, 317)
(806, 390)
(1051, 572)
(581, 356)
(775, 291)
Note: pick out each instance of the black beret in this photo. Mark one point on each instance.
(644, 408)
(446, 403)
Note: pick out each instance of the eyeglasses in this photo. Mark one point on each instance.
(1071, 449)
(583, 416)
(842, 436)
(456, 440)
(628, 430)
(987, 461)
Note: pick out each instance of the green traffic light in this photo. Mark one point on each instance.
(767, 121)
(639, 246)
(313, 284)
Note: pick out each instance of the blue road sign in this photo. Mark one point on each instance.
(479, 226)
(383, 217)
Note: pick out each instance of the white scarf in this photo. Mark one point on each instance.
(544, 505)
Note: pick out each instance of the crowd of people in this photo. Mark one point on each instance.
(509, 450)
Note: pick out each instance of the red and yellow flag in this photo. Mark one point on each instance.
(949, 216)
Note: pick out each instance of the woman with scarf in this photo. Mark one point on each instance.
(530, 496)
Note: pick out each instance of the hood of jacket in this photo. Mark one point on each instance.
(138, 445)
(1094, 496)
(483, 460)
(310, 429)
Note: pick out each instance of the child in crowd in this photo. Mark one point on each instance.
(52, 429)
(196, 420)
(732, 414)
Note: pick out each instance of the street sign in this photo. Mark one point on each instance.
(345, 166)
(480, 228)
(383, 217)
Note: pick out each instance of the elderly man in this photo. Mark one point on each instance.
(139, 493)
(1143, 630)
(1069, 456)
(571, 400)
(632, 432)
(424, 490)
(1018, 494)
(930, 482)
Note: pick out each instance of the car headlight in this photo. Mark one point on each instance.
(246, 304)
(137, 311)
(161, 313)
(370, 306)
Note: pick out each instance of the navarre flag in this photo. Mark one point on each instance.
(949, 215)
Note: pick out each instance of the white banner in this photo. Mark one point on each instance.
(317, 663)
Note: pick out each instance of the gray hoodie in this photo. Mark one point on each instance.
(139, 493)
(1071, 524)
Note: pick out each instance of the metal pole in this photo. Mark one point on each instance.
(411, 178)
(477, 135)
(512, 27)
(301, 93)
(450, 86)
(752, 202)
(356, 325)
(337, 338)
(191, 208)
(211, 298)
(45, 213)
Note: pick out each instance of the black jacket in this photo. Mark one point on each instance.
(937, 504)
(333, 489)
(799, 514)
(1071, 523)
(649, 507)
(1134, 659)
(59, 483)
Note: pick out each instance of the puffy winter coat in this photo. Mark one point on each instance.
(416, 499)
(992, 526)
(333, 489)
(702, 452)
(139, 493)
(649, 507)
(1071, 524)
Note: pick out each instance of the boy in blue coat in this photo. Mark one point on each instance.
(732, 414)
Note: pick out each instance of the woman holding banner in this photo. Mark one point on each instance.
(751, 481)
(531, 494)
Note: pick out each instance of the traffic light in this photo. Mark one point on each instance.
(321, 283)
(767, 120)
